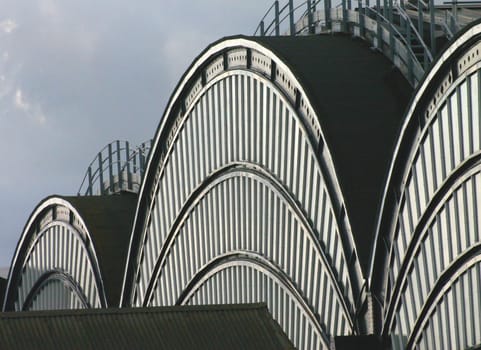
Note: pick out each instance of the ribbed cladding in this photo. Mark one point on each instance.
(54, 242)
(209, 140)
(360, 100)
(169, 129)
(439, 136)
(247, 326)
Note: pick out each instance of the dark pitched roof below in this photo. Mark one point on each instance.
(178, 327)
(109, 220)
(361, 99)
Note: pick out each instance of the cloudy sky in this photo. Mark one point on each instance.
(76, 75)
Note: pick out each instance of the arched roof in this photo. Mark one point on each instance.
(347, 102)
(424, 103)
(360, 98)
(345, 79)
(436, 160)
(101, 223)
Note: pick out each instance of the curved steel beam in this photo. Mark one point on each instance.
(233, 170)
(23, 249)
(236, 258)
(177, 110)
(404, 153)
(58, 275)
(444, 282)
(473, 164)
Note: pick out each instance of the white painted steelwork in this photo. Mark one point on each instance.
(431, 210)
(55, 264)
(240, 164)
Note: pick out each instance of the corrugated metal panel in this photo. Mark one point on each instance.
(347, 81)
(247, 326)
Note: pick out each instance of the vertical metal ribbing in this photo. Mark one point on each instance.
(119, 167)
(89, 189)
(454, 16)
(309, 17)
(101, 175)
(402, 21)
(141, 161)
(111, 173)
(292, 27)
(378, 25)
(327, 13)
(391, 31)
(432, 27)
(129, 175)
(410, 57)
(134, 163)
(276, 19)
(421, 32)
(361, 19)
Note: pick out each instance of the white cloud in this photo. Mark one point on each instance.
(19, 101)
(8, 26)
(34, 112)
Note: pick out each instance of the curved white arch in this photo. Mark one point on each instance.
(53, 229)
(443, 237)
(422, 91)
(461, 275)
(433, 128)
(310, 334)
(250, 90)
(54, 290)
(293, 247)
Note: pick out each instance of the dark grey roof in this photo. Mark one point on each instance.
(109, 220)
(248, 326)
(361, 99)
(3, 287)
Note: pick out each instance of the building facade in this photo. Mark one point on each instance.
(326, 177)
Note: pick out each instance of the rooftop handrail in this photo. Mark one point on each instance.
(282, 15)
(293, 11)
(264, 17)
(387, 22)
(113, 162)
(273, 22)
(413, 26)
(405, 16)
(445, 25)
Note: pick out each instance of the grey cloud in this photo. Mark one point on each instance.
(95, 71)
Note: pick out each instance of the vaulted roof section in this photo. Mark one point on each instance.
(360, 98)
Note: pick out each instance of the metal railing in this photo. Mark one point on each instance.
(117, 167)
(281, 14)
(395, 28)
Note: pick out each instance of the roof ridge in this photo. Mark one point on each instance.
(132, 310)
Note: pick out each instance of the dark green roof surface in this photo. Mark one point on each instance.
(361, 99)
(248, 326)
(109, 220)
